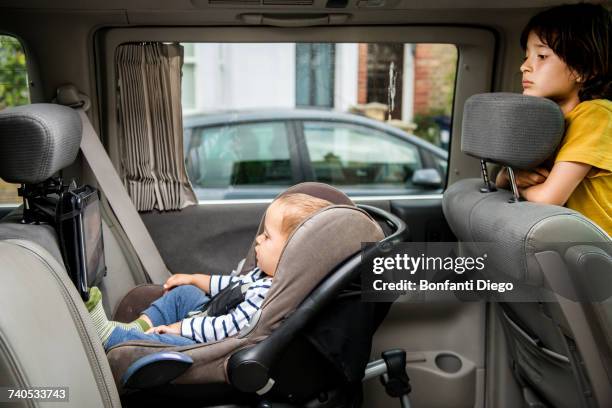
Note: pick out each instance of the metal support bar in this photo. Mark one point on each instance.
(488, 187)
(515, 191)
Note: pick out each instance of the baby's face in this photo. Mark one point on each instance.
(545, 74)
(271, 242)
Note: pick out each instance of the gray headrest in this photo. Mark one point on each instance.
(37, 140)
(511, 129)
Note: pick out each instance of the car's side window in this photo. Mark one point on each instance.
(346, 154)
(250, 154)
(372, 118)
(14, 91)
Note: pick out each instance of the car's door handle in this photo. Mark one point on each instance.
(292, 21)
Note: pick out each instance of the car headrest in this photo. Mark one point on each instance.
(37, 140)
(514, 130)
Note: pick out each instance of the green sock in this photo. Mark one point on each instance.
(105, 327)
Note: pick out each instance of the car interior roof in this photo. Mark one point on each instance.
(202, 12)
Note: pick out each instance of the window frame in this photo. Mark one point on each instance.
(476, 52)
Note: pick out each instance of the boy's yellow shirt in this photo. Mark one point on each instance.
(588, 139)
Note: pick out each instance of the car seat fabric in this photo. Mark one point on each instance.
(44, 235)
(313, 250)
(37, 140)
(498, 126)
(46, 334)
(519, 230)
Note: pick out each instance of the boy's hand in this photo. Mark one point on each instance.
(174, 328)
(524, 178)
(528, 178)
(178, 280)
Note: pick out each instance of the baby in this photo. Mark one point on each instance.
(201, 308)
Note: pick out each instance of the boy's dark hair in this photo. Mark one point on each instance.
(580, 34)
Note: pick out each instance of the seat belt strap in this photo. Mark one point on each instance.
(121, 203)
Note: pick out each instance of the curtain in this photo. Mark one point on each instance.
(151, 126)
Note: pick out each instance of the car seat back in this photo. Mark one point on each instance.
(46, 335)
(559, 337)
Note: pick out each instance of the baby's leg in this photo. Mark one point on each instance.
(103, 326)
(120, 335)
(175, 305)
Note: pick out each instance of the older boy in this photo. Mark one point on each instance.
(187, 315)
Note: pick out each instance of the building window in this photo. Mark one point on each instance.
(315, 75)
(384, 76)
(188, 91)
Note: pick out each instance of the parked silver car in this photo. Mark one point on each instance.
(257, 154)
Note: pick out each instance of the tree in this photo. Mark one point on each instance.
(13, 91)
(13, 74)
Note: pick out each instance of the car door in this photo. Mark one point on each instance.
(361, 160)
(242, 159)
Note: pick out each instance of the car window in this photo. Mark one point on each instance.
(14, 91)
(367, 86)
(342, 154)
(252, 154)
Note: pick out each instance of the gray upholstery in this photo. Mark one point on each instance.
(42, 234)
(511, 129)
(519, 230)
(36, 141)
(46, 334)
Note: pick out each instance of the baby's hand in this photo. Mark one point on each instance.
(178, 280)
(528, 178)
(174, 328)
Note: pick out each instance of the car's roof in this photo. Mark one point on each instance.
(195, 4)
(258, 115)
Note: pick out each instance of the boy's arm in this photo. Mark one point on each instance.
(524, 178)
(559, 185)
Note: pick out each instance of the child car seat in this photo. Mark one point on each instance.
(321, 243)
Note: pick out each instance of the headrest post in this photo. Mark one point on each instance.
(516, 197)
(488, 187)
